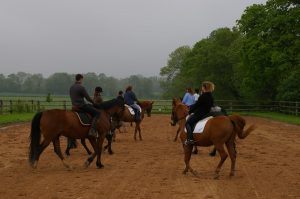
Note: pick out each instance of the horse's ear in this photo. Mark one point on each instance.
(174, 101)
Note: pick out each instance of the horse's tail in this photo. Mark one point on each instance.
(239, 124)
(35, 137)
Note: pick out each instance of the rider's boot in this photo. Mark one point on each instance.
(190, 138)
(93, 130)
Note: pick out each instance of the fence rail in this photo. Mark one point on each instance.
(159, 106)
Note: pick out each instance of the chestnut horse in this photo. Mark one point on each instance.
(51, 124)
(218, 131)
(146, 106)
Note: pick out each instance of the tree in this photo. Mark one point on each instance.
(271, 47)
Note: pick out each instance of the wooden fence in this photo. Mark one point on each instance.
(159, 106)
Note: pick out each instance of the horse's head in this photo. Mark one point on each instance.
(146, 106)
(179, 111)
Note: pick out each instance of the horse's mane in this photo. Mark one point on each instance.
(109, 104)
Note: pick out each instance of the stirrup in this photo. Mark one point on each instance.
(93, 133)
(189, 142)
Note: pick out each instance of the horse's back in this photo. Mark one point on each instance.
(218, 127)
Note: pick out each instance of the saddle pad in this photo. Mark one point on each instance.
(131, 109)
(84, 119)
(200, 125)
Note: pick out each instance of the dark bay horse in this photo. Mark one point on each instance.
(51, 124)
(218, 131)
(146, 107)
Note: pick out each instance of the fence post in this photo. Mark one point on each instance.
(1, 106)
(38, 106)
(10, 106)
(297, 108)
(32, 106)
(230, 106)
(65, 104)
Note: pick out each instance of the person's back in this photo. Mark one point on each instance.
(131, 100)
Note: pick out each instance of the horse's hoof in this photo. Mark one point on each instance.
(89, 153)
(195, 152)
(195, 173)
(86, 164)
(216, 177)
(110, 152)
(212, 154)
(231, 174)
(100, 166)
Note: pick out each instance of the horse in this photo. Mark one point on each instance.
(218, 131)
(51, 124)
(146, 106)
(180, 121)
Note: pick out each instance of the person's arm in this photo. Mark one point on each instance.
(86, 95)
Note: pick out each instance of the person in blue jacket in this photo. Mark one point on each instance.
(131, 100)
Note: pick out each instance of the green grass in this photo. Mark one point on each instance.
(15, 118)
(292, 119)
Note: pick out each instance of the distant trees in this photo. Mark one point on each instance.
(59, 84)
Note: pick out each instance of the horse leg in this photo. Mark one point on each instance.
(177, 132)
(187, 157)
(223, 155)
(91, 158)
(195, 151)
(57, 150)
(135, 131)
(82, 140)
(213, 152)
(109, 142)
(99, 151)
(232, 154)
(41, 148)
(139, 129)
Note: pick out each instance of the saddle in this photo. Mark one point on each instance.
(214, 112)
(131, 109)
(200, 125)
(84, 118)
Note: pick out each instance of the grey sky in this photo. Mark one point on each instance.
(118, 38)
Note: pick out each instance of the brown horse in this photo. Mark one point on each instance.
(218, 131)
(52, 124)
(146, 106)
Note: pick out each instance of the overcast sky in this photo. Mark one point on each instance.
(118, 38)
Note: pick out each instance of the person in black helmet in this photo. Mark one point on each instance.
(97, 95)
(77, 95)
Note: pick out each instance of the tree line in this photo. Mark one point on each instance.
(59, 84)
(258, 59)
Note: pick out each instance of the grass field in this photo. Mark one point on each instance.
(6, 119)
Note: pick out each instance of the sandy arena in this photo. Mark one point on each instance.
(268, 166)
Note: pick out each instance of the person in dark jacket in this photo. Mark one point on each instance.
(131, 100)
(200, 109)
(120, 96)
(77, 95)
(97, 95)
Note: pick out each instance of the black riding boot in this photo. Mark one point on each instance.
(93, 130)
(190, 138)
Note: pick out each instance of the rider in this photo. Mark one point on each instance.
(200, 109)
(188, 98)
(97, 95)
(77, 95)
(120, 96)
(131, 100)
